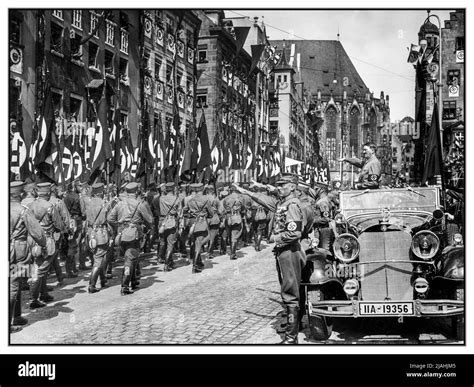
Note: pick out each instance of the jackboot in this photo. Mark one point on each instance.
(233, 250)
(169, 263)
(93, 280)
(35, 285)
(161, 253)
(258, 241)
(291, 332)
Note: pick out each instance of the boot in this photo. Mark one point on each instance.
(233, 250)
(125, 290)
(94, 277)
(35, 285)
(223, 246)
(210, 250)
(161, 252)
(19, 321)
(169, 263)
(291, 333)
(258, 240)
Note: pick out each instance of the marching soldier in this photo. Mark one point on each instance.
(84, 251)
(113, 232)
(98, 235)
(184, 218)
(169, 208)
(52, 222)
(199, 209)
(260, 218)
(129, 215)
(77, 211)
(369, 176)
(59, 236)
(232, 207)
(23, 224)
(247, 217)
(215, 221)
(222, 226)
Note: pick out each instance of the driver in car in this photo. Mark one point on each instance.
(369, 176)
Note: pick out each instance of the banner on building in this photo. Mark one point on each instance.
(453, 79)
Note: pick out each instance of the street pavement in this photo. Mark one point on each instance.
(230, 302)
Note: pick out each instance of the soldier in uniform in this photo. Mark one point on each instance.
(247, 218)
(199, 209)
(232, 207)
(184, 218)
(129, 214)
(222, 226)
(23, 224)
(30, 193)
(77, 211)
(215, 221)
(369, 176)
(59, 236)
(84, 251)
(169, 208)
(50, 219)
(98, 235)
(325, 211)
(114, 199)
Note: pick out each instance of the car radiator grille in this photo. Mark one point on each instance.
(385, 281)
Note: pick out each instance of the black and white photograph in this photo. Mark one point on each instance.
(236, 176)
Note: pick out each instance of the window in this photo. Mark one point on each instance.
(459, 43)
(58, 13)
(109, 63)
(93, 53)
(169, 73)
(179, 78)
(56, 38)
(354, 132)
(76, 47)
(331, 127)
(75, 105)
(169, 25)
(15, 31)
(77, 19)
(449, 110)
(202, 55)
(123, 70)
(147, 59)
(57, 99)
(158, 62)
(201, 100)
(124, 41)
(285, 79)
(94, 23)
(190, 38)
(110, 35)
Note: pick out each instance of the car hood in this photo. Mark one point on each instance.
(400, 219)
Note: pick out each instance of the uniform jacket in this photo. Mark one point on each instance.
(199, 205)
(96, 212)
(64, 213)
(232, 203)
(307, 208)
(130, 210)
(23, 223)
(369, 176)
(324, 212)
(288, 225)
(74, 205)
(169, 204)
(48, 215)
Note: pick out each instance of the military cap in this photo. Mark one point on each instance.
(44, 187)
(97, 188)
(303, 186)
(30, 187)
(287, 178)
(16, 187)
(169, 185)
(131, 187)
(197, 186)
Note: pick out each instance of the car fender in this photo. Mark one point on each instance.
(451, 264)
(321, 268)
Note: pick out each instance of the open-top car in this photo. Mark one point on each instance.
(393, 253)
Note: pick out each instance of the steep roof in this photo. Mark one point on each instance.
(321, 62)
(283, 63)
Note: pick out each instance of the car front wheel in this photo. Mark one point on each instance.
(458, 321)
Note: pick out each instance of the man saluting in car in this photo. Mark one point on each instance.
(369, 176)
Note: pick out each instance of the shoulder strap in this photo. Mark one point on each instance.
(177, 197)
(136, 208)
(18, 221)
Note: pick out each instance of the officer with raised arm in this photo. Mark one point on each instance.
(369, 176)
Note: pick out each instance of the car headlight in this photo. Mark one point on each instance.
(346, 248)
(425, 244)
(339, 218)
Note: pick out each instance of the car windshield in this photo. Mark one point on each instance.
(411, 199)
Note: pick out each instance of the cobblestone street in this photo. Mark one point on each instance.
(230, 302)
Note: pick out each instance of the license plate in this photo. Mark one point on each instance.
(386, 308)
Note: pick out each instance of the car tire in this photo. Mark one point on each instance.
(451, 230)
(320, 327)
(457, 322)
(326, 238)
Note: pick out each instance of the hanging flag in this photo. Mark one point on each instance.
(186, 169)
(241, 34)
(215, 154)
(44, 139)
(19, 166)
(201, 157)
(414, 53)
(433, 152)
(117, 157)
(257, 50)
(249, 163)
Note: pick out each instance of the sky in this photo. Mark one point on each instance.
(376, 42)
